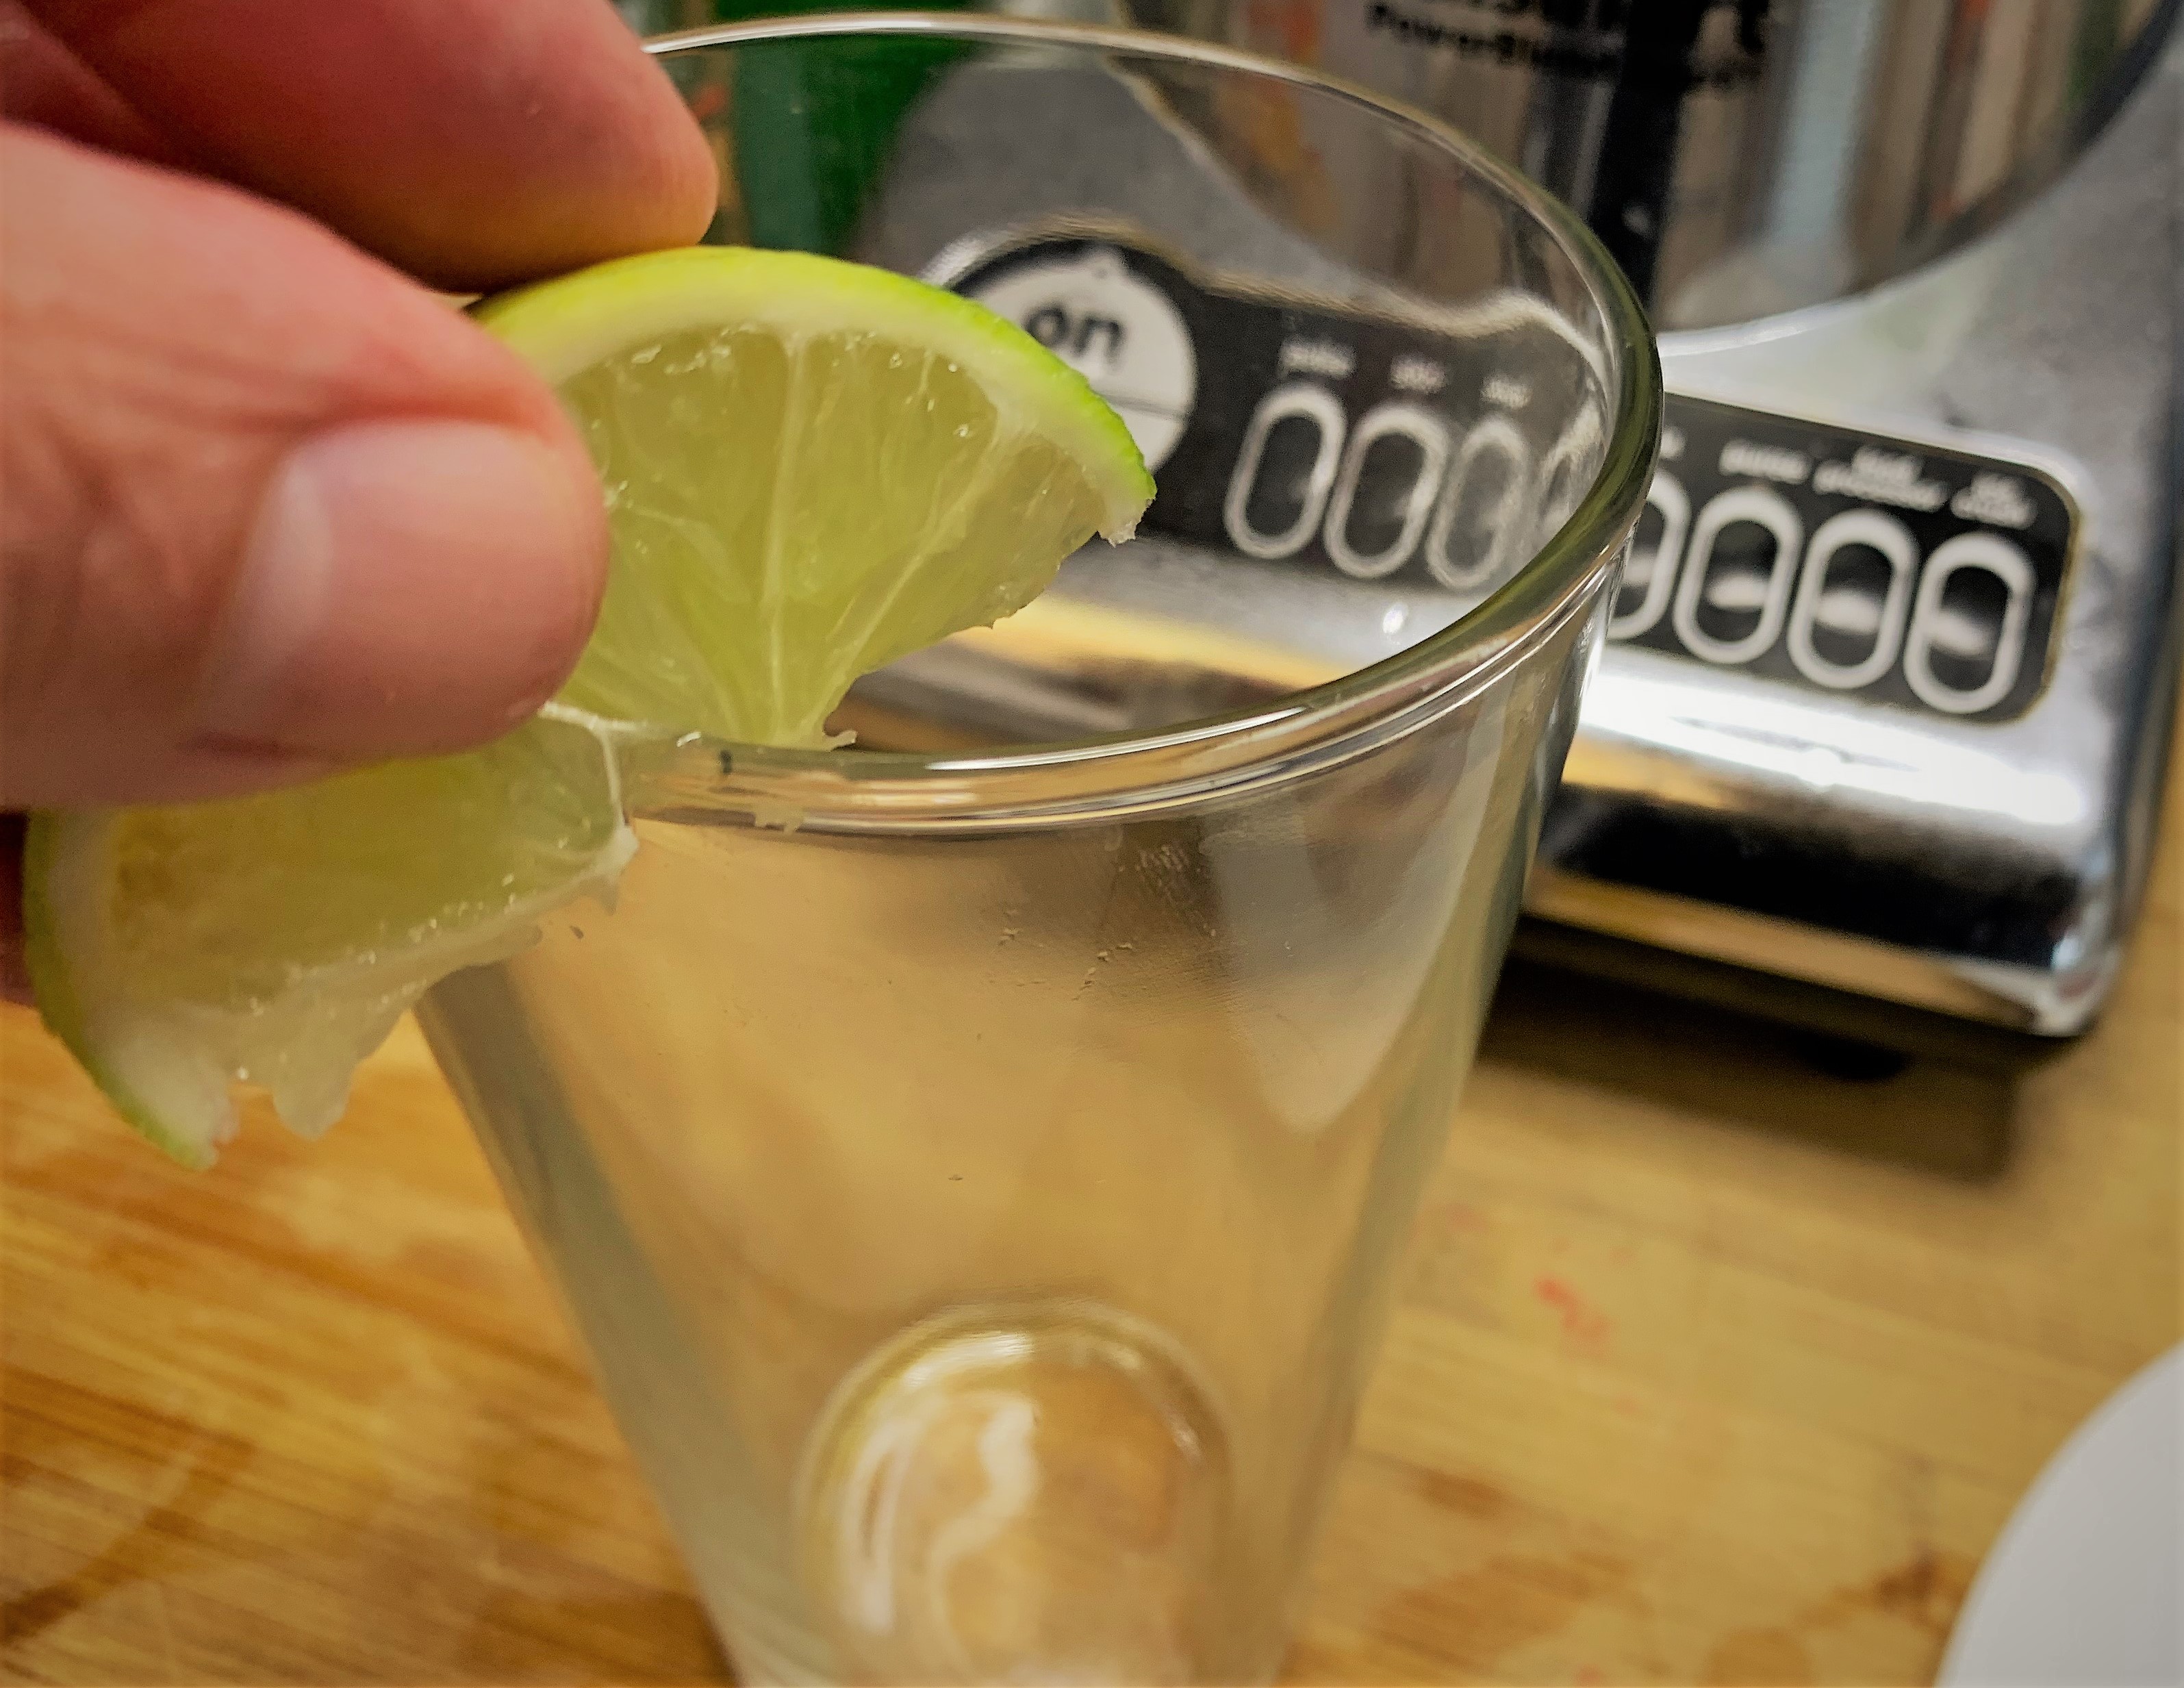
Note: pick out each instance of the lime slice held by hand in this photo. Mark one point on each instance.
(810, 468)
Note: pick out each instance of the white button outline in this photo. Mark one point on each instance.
(1884, 533)
(2008, 565)
(1424, 430)
(1293, 398)
(1500, 432)
(1774, 513)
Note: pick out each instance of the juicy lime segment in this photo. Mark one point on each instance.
(276, 939)
(811, 468)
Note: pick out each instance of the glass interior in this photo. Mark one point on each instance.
(976, 1160)
(1362, 433)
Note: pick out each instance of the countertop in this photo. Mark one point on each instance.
(1708, 1368)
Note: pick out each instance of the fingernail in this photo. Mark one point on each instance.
(408, 588)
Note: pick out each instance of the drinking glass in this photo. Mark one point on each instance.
(976, 1159)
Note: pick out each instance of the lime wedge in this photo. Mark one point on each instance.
(276, 939)
(810, 468)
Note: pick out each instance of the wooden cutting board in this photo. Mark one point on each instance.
(1708, 1369)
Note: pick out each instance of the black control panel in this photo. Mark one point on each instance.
(1385, 448)
(1379, 448)
(1848, 561)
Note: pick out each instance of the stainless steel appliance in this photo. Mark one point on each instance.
(1884, 711)
(1740, 158)
(1876, 737)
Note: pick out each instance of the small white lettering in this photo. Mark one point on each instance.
(1765, 462)
(1414, 374)
(1881, 477)
(1995, 500)
(1506, 390)
(1317, 357)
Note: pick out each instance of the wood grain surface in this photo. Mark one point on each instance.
(1708, 1369)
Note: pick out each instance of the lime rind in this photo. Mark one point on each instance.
(167, 1066)
(57, 855)
(810, 468)
(564, 327)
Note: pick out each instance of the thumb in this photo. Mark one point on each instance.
(269, 506)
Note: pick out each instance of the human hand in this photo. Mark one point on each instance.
(268, 506)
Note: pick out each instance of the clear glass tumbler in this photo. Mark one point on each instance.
(976, 1159)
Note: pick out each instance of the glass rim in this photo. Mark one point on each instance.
(1048, 783)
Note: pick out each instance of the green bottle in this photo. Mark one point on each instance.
(805, 128)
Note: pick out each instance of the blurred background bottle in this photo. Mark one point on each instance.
(803, 187)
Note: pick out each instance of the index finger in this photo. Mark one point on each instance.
(472, 142)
